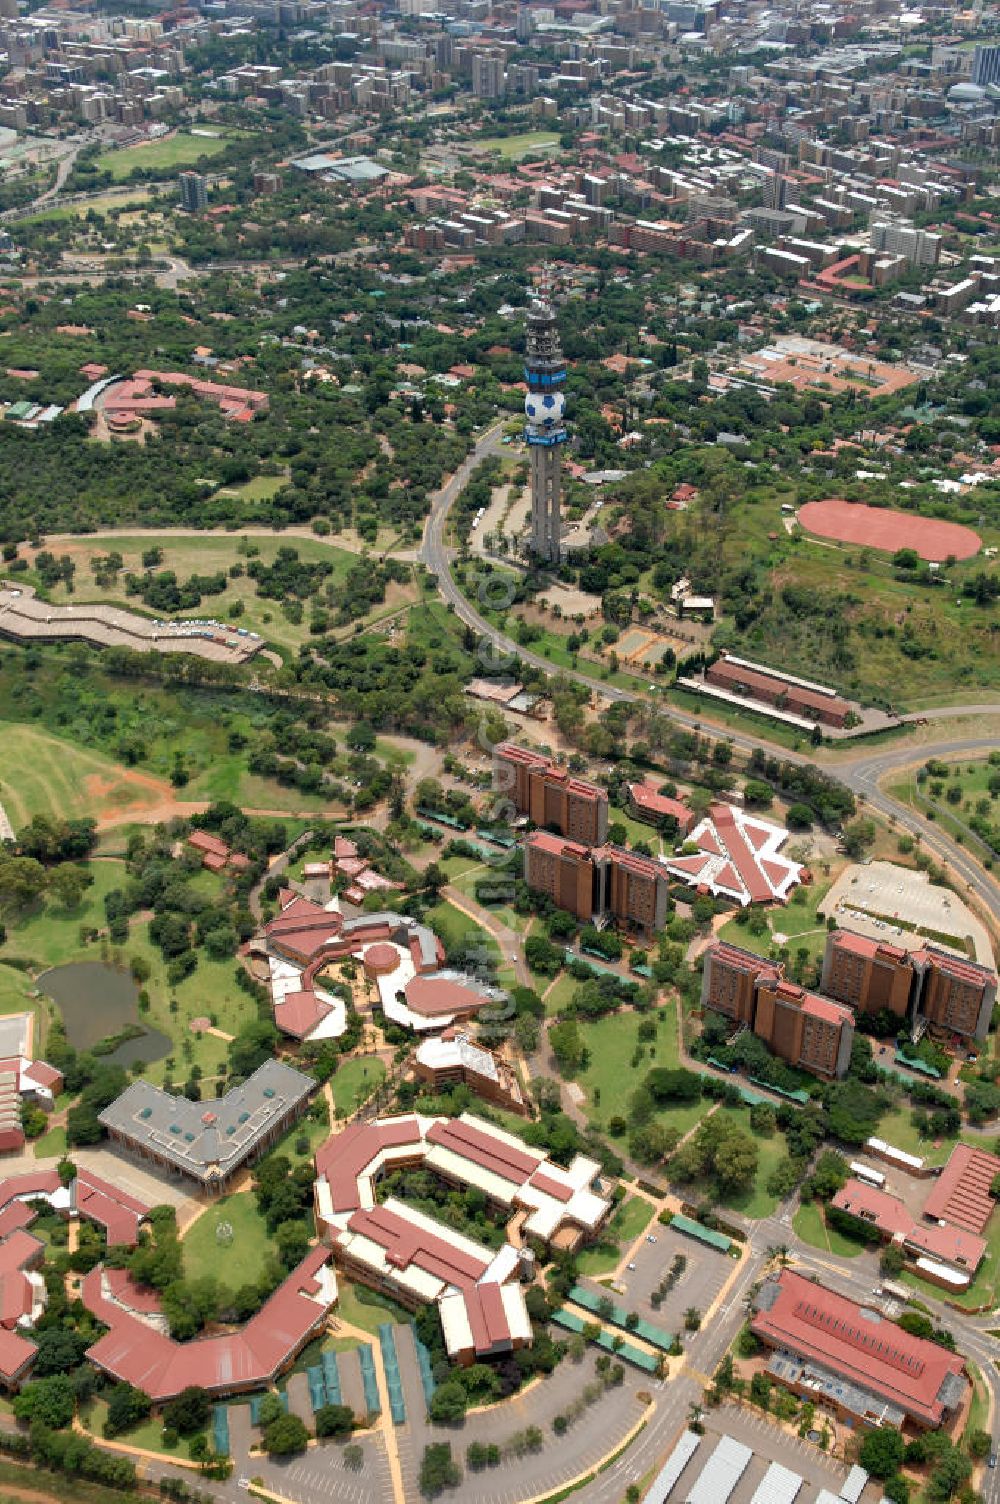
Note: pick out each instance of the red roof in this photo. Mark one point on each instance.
(117, 1212)
(344, 1156)
(858, 1344)
(503, 1159)
(203, 840)
(962, 1193)
(298, 1013)
(544, 840)
(134, 1352)
(740, 854)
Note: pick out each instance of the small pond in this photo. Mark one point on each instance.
(98, 1001)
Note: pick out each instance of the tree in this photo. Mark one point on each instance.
(189, 1412)
(284, 1436)
(51, 1402)
(882, 1451)
(567, 1046)
(334, 1420)
(127, 1407)
(354, 1457)
(438, 1469)
(449, 1403)
(979, 1444)
(692, 1319)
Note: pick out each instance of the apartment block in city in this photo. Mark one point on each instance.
(868, 974)
(592, 881)
(550, 796)
(562, 869)
(808, 1031)
(956, 995)
(953, 994)
(729, 980)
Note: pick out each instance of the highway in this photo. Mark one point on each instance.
(862, 769)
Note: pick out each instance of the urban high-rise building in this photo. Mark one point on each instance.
(194, 192)
(545, 432)
(487, 75)
(593, 881)
(986, 66)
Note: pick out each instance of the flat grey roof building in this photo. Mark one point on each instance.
(209, 1141)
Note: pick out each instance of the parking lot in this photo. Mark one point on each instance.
(872, 896)
(705, 1272)
(769, 1443)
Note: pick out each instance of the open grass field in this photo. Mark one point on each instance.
(354, 1083)
(810, 1225)
(610, 1077)
(795, 925)
(182, 149)
(631, 1218)
(148, 1435)
(560, 994)
(51, 1145)
(951, 799)
(211, 553)
(236, 1261)
(513, 148)
(45, 775)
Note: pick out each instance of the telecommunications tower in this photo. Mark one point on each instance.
(545, 431)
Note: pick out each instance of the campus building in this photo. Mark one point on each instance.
(739, 857)
(729, 980)
(395, 1248)
(945, 1255)
(136, 1350)
(799, 697)
(828, 1348)
(454, 1059)
(592, 881)
(647, 803)
(403, 962)
(550, 796)
(808, 1031)
(209, 1143)
(871, 975)
(953, 994)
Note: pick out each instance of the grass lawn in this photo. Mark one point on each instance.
(612, 1042)
(51, 1145)
(238, 1262)
(563, 991)
(359, 1306)
(178, 150)
(810, 1226)
(456, 929)
(43, 774)
(757, 1201)
(796, 922)
(149, 1435)
(631, 1219)
(514, 147)
(503, 913)
(979, 1408)
(212, 553)
(355, 1081)
(897, 1129)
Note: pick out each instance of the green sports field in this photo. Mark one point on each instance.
(178, 150)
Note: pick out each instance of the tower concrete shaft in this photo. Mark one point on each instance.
(545, 432)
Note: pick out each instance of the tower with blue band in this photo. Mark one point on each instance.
(545, 430)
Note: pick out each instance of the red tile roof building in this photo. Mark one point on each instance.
(398, 1249)
(597, 880)
(550, 796)
(880, 1367)
(930, 1241)
(136, 1352)
(729, 980)
(649, 804)
(869, 974)
(961, 1193)
(813, 702)
(739, 857)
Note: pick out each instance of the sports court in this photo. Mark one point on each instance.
(881, 527)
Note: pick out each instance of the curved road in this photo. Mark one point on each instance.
(862, 772)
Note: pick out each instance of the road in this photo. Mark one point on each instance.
(862, 770)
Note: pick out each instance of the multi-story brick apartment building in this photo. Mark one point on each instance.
(953, 994)
(806, 1030)
(729, 980)
(550, 796)
(593, 880)
(868, 974)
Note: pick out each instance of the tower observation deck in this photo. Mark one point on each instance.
(545, 431)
